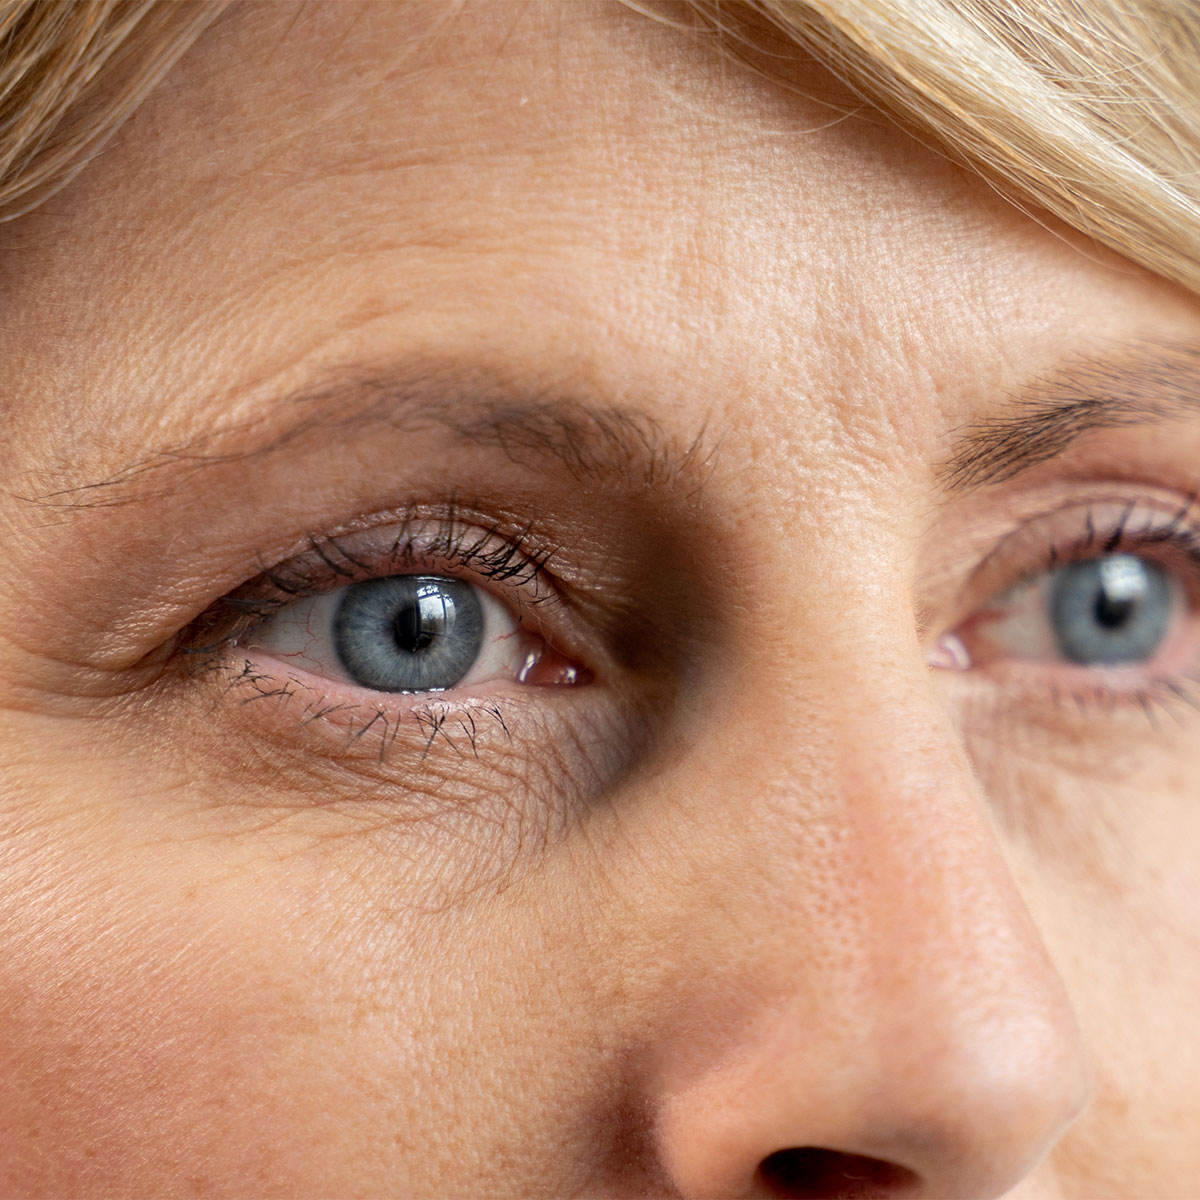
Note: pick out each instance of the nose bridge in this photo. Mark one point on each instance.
(920, 861)
(920, 874)
(909, 1012)
(952, 987)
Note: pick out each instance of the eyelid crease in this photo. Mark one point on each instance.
(1087, 528)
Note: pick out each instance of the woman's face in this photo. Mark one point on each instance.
(790, 739)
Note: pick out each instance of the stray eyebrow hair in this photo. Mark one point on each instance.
(1135, 383)
(587, 439)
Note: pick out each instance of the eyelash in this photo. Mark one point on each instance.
(513, 561)
(509, 559)
(1177, 535)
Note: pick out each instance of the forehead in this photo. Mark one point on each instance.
(529, 183)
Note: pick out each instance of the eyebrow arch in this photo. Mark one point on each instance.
(581, 435)
(1134, 383)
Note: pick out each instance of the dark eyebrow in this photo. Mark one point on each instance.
(1133, 383)
(580, 434)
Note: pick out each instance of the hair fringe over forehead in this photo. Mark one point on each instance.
(1086, 109)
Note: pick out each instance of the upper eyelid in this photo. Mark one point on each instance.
(496, 555)
(407, 544)
(1085, 533)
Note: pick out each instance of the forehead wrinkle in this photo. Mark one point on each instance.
(585, 438)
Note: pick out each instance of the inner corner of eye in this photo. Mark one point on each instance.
(949, 653)
(549, 668)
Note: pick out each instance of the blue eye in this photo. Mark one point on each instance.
(1109, 611)
(1112, 611)
(408, 633)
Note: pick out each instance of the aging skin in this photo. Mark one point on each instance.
(799, 832)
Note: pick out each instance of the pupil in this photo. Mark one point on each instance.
(417, 625)
(1113, 611)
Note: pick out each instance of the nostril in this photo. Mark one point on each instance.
(810, 1173)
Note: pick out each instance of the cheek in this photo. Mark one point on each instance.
(154, 1029)
(182, 1009)
(1107, 865)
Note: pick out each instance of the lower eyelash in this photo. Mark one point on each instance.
(458, 725)
(1160, 695)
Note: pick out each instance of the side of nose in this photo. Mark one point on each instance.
(892, 1024)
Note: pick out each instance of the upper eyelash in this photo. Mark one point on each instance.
(512, 557)
(1179, 533)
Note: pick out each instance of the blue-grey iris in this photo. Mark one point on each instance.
(1111, 610)
(408, 633)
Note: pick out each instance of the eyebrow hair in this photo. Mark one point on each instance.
(1133, 383)
(584, 437)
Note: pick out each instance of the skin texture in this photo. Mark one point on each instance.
(766, 881)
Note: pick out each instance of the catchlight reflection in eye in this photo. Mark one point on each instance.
(408, 633)
(1110, 610)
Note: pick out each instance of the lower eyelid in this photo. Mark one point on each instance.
(552, 750)
(427, 768)
(329, 718)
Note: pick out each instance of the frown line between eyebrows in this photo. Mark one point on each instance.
(1134, 384)
(581, 437)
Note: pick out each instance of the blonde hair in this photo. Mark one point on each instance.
(1085, 109)
(70, 74)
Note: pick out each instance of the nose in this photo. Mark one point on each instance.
(882, 1018)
